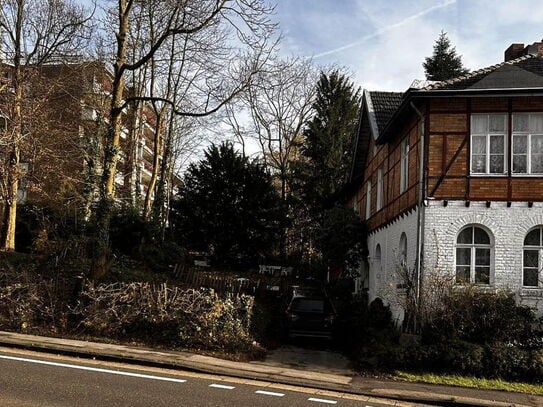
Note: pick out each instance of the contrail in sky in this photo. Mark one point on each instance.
(387, 28)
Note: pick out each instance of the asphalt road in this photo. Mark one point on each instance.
(30, 379)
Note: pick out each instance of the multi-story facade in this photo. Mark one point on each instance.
(63, 157)
(449, 178)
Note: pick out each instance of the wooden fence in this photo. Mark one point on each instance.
(194, 277)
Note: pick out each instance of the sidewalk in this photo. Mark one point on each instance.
(372, 388)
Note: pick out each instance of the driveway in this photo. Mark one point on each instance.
(307, 358)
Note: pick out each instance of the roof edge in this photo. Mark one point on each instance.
(371, 115)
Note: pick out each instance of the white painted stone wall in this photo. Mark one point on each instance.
(384, 278)
(508, 228)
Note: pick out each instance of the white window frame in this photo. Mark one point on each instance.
(368, 199)
(404, 165)
(487, 136)
(539, 249)
(473, 250)
(379, 189)
(378, 259)
(528, 135)
(403, 250)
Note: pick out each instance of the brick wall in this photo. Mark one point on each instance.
(507, 227)
(383, 278)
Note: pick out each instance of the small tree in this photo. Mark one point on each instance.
(444, 64)
(342, 239)
(228, 208)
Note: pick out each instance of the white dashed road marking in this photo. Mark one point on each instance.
(269, 393)
(222, 386)
(322, 401)
(92, 369)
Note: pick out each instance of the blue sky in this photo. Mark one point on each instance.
(384, 42)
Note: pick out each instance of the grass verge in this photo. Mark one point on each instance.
(473, 382)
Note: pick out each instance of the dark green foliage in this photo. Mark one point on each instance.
(444, 64)
(127, 231)
(367, 333)
(328, 139)
(43, 229)
(228, 208)
(341, 239)
(162, 256)
(472, 333)
(471, 315)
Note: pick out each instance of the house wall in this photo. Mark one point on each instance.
(448, 163)
(385, 277)
(388, 157)
(508, 227)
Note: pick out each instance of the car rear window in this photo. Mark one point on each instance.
(307, 305)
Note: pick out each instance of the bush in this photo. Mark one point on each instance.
(167, 315)
(474, 316)
(369, 335)
(160, 257)
(127, 231)
(34, 303)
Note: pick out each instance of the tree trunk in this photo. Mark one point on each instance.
(161, 202)
(7, 237)
(102, 258)
(157, 149)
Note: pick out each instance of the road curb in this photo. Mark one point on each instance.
(253, 371)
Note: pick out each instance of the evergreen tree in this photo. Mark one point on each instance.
(327, 146)
(228, 208)
(328, 139)
(444, 64)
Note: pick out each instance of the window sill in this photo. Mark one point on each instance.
(478, 175)
(531, 292)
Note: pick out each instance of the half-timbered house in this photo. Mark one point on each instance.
(449, 178)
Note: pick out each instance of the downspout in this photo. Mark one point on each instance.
(420, 214)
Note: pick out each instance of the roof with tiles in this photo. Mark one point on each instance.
(523, 72)
(384, 105)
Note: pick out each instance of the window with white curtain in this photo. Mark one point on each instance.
(527, 143)
(488, 143)
(404, 165)
(532, 258)
(368, 199)
(379, 189)
(473, 256)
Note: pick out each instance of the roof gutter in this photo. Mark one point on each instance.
(420, 213)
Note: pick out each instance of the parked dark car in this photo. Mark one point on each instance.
(310, 317)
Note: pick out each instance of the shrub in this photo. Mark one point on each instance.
(127, 231)
(167, 315)
(471, 315)
(159, 257)
(31, 303)
(368, 334)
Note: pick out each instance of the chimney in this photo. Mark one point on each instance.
(517, 50)
(536, 48)
(514, 51)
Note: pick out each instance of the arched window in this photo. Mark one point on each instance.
(473, 256)
(531, 257)
(403, 250)
(377, 263)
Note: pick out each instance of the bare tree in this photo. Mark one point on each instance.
(34, 33)
(279, 103)
(245, 48)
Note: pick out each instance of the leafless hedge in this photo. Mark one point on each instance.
(148, 313)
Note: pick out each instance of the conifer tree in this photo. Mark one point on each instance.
(328, 137)
(444, 64)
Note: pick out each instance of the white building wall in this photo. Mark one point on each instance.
(508, 228)
(384, 278)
